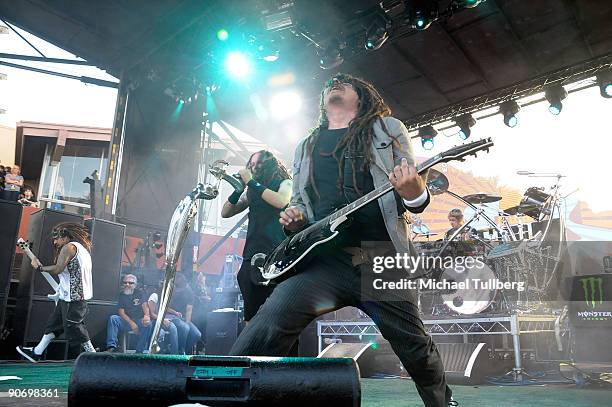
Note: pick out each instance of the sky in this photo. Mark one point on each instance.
(576, 144)
(31, 96)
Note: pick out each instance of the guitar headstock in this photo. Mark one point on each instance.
(24, 244)
(459, 153)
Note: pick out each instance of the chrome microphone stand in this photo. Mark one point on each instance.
(180, 224)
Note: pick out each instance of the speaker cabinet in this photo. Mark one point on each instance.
(221, 332)
(32, 285)
(107, 240)
(96, 321)
(10, 215)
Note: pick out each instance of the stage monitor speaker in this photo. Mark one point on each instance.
(102, 379)
(107, 240)
(221, 331)
(32, 285)
(372, 358)
(10, 215)
(464, 363)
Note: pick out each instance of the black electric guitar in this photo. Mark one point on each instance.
(295, 248)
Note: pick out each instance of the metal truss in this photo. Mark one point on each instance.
(512, 324)
(530, 87)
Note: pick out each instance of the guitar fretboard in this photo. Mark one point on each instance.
(455, 153)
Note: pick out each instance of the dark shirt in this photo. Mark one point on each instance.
(132, 304)
(367, 223)
(264, 232)
(181, 297)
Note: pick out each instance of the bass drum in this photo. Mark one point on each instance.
(472, 298)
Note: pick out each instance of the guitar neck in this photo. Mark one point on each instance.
(29, 253)
(376, 193)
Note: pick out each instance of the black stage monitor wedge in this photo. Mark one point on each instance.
(102, 379)
(10, 217)
(107, 240)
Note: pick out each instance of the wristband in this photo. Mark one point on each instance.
(234, 197)
(256, 187)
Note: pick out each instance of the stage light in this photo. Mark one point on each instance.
(421, 13)
(554, 95)
(465, 123)
(222, 34)
(330, 57)
(285, 104)
(604, 80)
(267, 50)
(427, 135)
(509, 109)
(377, 32)
(237, 64)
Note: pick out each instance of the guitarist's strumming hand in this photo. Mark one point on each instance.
(292, 219)
(407, 181)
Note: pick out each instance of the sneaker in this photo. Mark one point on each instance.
(28, 354)
(112, 349)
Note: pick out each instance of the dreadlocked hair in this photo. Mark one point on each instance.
(271, 168)
(74, 232)
(359, 135)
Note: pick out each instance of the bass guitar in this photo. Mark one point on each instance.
(26, 247)
(296, 247)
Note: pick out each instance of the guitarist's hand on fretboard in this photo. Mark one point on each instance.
(293, 219)
(407, 181)
(35, 263)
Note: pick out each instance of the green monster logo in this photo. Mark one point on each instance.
(593, 290)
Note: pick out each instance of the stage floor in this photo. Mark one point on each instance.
(375, 392)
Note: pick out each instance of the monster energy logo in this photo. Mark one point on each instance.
(593, 290)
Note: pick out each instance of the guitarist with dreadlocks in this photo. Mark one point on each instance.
(356, 147)
(73, 267)
(268, 191)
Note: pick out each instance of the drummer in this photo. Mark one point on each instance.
(455, 218)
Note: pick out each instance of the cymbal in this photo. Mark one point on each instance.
(520, 209)
(481, 198)
(437, 183)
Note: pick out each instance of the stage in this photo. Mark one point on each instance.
(375, 392)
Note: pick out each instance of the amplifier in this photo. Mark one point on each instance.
(222, 331)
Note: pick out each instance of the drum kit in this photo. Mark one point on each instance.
(510, 251)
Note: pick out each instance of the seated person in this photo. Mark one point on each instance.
(27, 197)
(132, 315)
(455, 218)
(180, 312)
(168, 333)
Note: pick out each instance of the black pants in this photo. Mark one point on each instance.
(329, 283)
(253, 294)
(69, 318)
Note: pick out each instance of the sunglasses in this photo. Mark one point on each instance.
(129, 282)
(341, 81)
